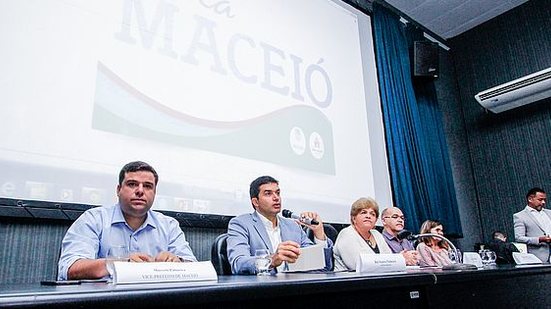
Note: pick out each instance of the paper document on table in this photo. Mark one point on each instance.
(310, 258)
(522, 248)
(525, 258)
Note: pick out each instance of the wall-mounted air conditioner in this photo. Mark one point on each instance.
(522, 91)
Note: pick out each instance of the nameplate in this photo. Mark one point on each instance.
(525, 258)
(380, 263)
(472, 258)
(128, 272)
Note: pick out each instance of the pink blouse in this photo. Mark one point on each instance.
(429, 257)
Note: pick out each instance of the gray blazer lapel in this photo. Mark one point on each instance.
(287, 232)
(261, 230)
(531, 216)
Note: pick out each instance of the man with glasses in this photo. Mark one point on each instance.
(393, 223)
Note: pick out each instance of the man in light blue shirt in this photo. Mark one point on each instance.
(149, 236)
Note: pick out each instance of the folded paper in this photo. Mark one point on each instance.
(525, 258)
(310, 258)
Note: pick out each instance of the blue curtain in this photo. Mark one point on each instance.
(417, 151)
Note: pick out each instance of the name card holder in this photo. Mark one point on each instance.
(472, 258)
(380, 263)
(525, 258)
(129, 273)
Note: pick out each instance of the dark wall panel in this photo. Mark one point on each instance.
(447, 93)
(30, 248)
(509, 152)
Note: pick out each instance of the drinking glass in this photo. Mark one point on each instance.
(486, 256)
(262, 262)
(491, 257)
(115, 253)
(455, 256)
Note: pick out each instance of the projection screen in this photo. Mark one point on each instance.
(211, 93)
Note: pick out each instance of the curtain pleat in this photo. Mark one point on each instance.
(417, 151)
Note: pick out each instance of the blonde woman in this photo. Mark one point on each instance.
(360, 236)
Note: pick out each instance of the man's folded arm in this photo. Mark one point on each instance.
(87, 269)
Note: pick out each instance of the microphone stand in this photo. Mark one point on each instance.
(453, 266)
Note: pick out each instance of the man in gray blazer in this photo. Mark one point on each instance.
(533, 224)
(264, 229)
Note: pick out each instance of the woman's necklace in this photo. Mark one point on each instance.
(369, 242)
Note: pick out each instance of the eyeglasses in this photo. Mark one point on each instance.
(395, 217)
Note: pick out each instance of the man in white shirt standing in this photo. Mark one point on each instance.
(533, 224)
(265, 229)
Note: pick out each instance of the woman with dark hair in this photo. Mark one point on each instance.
(433, 251)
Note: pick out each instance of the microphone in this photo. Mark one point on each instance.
(405, 234)
(289, 214)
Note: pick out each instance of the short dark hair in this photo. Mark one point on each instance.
(254, 189)
(136, 166)
(533, 191)
(496, 233)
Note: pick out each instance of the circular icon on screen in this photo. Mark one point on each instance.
(297, 140)
(8, 189)
(316, 145)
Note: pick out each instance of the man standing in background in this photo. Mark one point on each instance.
(533, 224)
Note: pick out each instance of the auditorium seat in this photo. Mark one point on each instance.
(219, 255)
(329, 230)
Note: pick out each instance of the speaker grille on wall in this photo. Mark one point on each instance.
(425, 59)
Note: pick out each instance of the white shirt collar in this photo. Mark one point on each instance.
(267, 223)
(273, 232)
